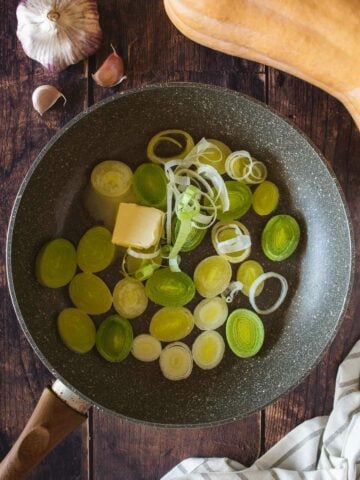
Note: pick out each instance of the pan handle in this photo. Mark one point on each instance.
(59, 411)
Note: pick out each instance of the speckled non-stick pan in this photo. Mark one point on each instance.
(49, 204)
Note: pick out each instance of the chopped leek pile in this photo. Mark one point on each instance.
(152, 221)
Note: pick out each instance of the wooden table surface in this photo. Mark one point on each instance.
(107, 448)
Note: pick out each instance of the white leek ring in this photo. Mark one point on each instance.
(176, 361)
(146, 348)
(233, 288)
(260, 279)
(142, 255)
(211, 313)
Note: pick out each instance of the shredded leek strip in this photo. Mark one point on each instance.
(261, 279)
(280, 237)
(146, 348)
(129, 298)
(212, 276)
(232, 241)
(265, 198)
(143, 255)
(216, 179)
(187, 207)
(238, 165)
(194, 238)
(169, 202)
(197, 150)
(231, 291)
(249, 271)
(244, 333)
(210, 313)
(193, 175)
(208, 350)
(167, 136)
(170, 324)
(215, 155)
(176, 362)
(258, 173)
(242, 167)
(138, 267)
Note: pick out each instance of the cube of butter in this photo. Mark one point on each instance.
(137, 226)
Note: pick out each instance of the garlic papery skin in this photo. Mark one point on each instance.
(44, 97)
(58, 33)
(111, 72)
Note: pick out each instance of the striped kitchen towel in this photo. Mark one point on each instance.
(324, 448)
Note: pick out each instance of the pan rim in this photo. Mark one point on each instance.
(38, 160)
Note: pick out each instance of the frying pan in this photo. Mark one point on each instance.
(49, 204)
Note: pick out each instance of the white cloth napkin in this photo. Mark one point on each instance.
(324, 448)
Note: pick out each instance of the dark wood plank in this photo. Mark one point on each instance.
(155, 52)
(332, 130)
(23, 133)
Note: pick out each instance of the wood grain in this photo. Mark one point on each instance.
(22, 134)
(154, 51)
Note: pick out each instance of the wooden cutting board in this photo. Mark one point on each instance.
(316, 41)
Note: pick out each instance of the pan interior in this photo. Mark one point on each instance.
(319, 274)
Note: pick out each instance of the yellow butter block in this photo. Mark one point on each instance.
(137, 226)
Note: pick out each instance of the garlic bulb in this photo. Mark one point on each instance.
(58, 33)
(44, 97)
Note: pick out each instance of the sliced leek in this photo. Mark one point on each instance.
(129, 298)
(193, 239)
(211, 313)
(242, 167)
(76, 330)
(146, 348)
(90, 294)
(244, 333)
(238, 165)
(170, 324)
(265, 198)
(114, 338)
(231, 240)
(247, 273)
(208, 350)
(149, 183)
(280, 237)
(170, 289)
(215, 155)
(240, 198)
(141, 264)
(176, 361)
(259, 281)
(110, 184)
(212, 276)
(170, 138)
(55, 264)
(95, 251)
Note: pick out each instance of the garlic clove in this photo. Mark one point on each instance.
(44, 97)
(111, 72)
(58, 33)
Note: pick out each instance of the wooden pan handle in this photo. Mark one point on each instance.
(51, 421)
